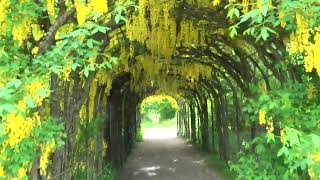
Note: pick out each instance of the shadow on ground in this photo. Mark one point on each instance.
(164, 156)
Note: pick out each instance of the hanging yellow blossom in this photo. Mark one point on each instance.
(21, 31)
(51, 8)
(35, 50)
(300, 42)
(1, 171)
(215, 3)
(282, 136)
(262, 117)
(33, 90)
(66, 73)
(100, 6)
(22, 105)
(282, 22)
(270, 4)
(311, 173)
(37, 32)
(259, 4)
(3, 9)
(245, 6)
(317, 157)
(269, 126)
(22, 172)
(47, 149)
(17, 128)
(83, 11)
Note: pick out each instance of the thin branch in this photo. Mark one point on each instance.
(49, 39)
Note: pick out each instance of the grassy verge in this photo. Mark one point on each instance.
(139, 137)
(219, 166)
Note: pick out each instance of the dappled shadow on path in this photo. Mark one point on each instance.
(165, 157)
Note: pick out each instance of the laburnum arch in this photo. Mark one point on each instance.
(102, 66)
(183, 49)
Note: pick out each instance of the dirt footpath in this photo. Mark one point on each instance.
(166, 159)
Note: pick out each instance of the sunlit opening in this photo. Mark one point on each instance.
(159, 114)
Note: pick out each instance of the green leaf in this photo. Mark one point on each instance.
(283, 151)
(270, 137)
(74, 66)
(6, 107)
(90, 43)
(109, 65)
(42, 92)
(30, 102)
(119, 17)
(114, 60)
(264, 10)
(233, 31)
(56, 69)
(103, 29)
(14, 83)
(233, 12)
(260, 149)
(264, 33)
(86, 72)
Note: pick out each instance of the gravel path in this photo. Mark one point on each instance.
(166, 159)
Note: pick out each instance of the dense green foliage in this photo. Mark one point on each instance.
(159, 108)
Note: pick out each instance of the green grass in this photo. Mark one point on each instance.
(161, 124)
(139, 137)
(220, 167)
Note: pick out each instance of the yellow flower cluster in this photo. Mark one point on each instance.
(22, 106)
(65, 72)
(299, 42)
(262, 117)
(269, 123)
(1, 171)
(311, 173)
(46, 151)
(269, 126)
(32, 90)
(315, 160)
(283, 138)
(282, 22)
(137, 26)
(100, 6)
(160, 98)
(16, 127)
(84, 9)
(37, 32)
(35, 50)
(21, 31)
(3, 9)
(215, 3)
(22, 172)
(51, 8)
(245, 6)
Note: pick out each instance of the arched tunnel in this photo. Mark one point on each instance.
(200, 66)
(137, 49)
